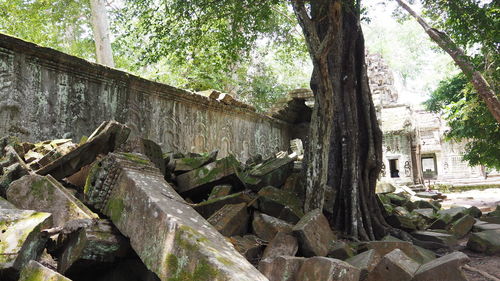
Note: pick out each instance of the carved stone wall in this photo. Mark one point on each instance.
(47, 94)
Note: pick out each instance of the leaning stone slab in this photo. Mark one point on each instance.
(283, 244)
(485, 226)
(485, 242)
(365, 262)
(45, 194)
(281, 268)
(219, 191)
(281, 204)
(314, 234)
(187, 164)
(169, 236)
(327, 269)
(107, 137)
(209, 207)
(273, 172)
(444, 268)
(382, 248)
(87, 242)
(395, 266)
(35, 271)
(249, 246)
(462, 226)
(341, 250)
(224, 170)
(21, 238)
(231, 219)
(438, 239)
(266, 227)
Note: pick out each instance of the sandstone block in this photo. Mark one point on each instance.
(281, 204)
(314, 234)
(487, 241)
(327, 269)
(231, 219)
(365, 262)
(443, 269)
(36, 271)
(438, 239)
(395, 266)
(462, 226)
(45, 194)
(266, 227)
(220, 191)
(272, 172)
(209, 207)
(4, 204)
(249, 246)
(187, 164)
(283, 244)
(340, 250)
(485, 226)
(281, 268)
(382, 248)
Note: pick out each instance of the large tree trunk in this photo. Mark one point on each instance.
(102, 39)
(344, 152)
(462, 60)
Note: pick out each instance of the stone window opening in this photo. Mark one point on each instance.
(394, 168)
(429, 166)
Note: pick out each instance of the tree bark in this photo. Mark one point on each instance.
(462, 60)
(100, 26)
(344, 152)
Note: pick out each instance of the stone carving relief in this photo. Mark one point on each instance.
(407, 168)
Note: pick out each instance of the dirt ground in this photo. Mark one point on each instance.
(486, 200)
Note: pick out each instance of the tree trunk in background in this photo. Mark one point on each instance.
(462, 60)
(100, 26)
(344, 153)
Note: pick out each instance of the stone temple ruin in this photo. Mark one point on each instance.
(142, 199)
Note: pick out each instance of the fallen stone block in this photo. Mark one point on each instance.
(4, 204)
(231, 220)
(401, 222)
(280, 204)
(266, 227)
(187, 164)
(21, 238)
(106, 138)
(209, 207)
(314, 234)
(40, 154)
(283, 244)
(13, 169)
(199, 181)
(219, 191)
(340, 250)
(293, 184)
(34, 271)
(485, 226)
(395, 266)
(427, 213)
(487, 241)
(148, 148)
(45, 194)
(272, 172)
(397, 200)
(281, 268)
(437, 239)
(452, 214)
(491, 219)
(365, 262)
(422, 204)
(327, 269)
(382, 248)
(88, 242)
(249, 246)
(384, 187)
(429, 194)
(462, 226)
(444, 268)
(169, 236)
(474, 212)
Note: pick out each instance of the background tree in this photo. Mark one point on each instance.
(102, 36)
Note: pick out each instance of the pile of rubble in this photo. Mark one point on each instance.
(114, 208)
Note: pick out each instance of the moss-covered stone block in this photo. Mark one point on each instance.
(280, 203)
(35, 271)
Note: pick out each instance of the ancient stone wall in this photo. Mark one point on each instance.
(48, 94)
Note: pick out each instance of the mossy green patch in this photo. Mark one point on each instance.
(225, 261)
(114, 208)
(90, 177)
(135, 158)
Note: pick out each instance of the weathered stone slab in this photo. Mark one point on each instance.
(314, 234)
(384, 187)
(437, 238)
(365, 262)
(187, 164)
(21, 238)
(108, 136)
(462, 226)
(485, 226)
(395, 266)
(12, 167)
(401, 222)
(327, 269)
(231, 219)
(281, 268)
(266, 227)
(382, 248)
(293, 184)
(427, 213)
(209, 207)
(273, 172)
(34, 271)
(45, 194)
(224, 170)
(444, 268)
(169, 236)
(487, 242)
(148, 148)
(219, 191)
(452, 214)
(474, 212)
(4, 204)
(249, 246)
(281, 204)
(340, 250)
(283, 244)
(88, 241)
